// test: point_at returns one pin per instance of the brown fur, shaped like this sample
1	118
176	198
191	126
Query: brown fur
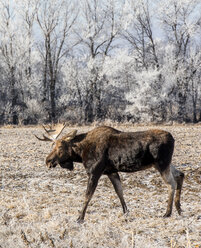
105	150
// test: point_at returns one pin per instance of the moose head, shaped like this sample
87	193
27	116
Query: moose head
62	152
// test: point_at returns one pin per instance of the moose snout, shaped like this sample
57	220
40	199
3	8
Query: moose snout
51	163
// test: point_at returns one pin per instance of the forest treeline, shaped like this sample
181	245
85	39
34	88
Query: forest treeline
95	60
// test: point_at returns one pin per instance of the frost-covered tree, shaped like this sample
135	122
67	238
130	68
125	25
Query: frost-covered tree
14	58
93	60
169	57
27	10
56	20
99	27
180	24
139	32
145	93
18	60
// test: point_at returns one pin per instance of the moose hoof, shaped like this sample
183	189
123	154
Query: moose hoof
80	220
179	211
166	215
126	213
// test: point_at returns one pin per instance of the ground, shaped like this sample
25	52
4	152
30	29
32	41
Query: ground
39	207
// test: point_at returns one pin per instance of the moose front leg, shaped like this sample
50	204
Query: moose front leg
91	186
115	179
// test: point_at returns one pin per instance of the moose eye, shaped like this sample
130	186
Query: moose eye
60	152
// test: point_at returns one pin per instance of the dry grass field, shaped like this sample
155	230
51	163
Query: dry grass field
39	207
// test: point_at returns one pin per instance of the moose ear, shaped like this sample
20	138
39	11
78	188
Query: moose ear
70	136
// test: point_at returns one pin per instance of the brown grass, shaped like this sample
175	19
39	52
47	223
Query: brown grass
39	207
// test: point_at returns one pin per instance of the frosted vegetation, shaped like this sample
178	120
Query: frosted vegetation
39	207
92	60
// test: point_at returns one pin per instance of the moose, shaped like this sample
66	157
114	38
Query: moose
105	150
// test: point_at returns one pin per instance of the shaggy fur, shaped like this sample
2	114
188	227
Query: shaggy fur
105	150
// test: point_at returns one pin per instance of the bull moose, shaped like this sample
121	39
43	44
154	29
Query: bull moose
105	150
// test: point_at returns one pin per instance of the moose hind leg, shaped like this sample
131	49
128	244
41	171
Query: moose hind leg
170	180
179	178
115	179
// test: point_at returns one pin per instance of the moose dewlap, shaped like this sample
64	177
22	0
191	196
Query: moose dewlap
105	150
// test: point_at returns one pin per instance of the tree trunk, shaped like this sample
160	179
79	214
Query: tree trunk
181	114
88	108
200	117
52	100
14	116
194	100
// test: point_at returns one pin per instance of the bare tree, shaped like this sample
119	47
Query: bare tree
27	10
193	77
9	56
139	34
180	24
99	29
56	20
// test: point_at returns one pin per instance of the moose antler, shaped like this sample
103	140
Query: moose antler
70	136
53	133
